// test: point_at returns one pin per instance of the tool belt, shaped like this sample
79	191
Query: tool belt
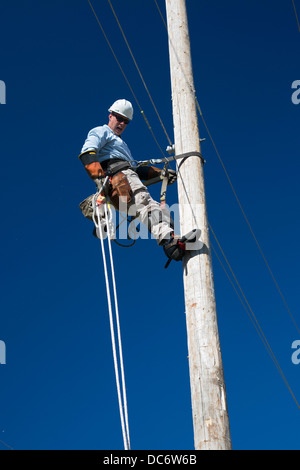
113	166
119	189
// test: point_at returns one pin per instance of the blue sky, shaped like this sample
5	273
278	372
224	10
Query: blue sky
57	387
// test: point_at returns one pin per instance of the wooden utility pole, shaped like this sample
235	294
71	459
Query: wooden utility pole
209	404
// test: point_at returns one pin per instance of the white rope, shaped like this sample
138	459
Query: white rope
122	399
107	219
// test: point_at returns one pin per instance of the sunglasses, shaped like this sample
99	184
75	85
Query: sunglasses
121	118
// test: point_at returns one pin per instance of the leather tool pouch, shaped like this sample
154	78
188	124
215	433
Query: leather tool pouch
86	207
120	190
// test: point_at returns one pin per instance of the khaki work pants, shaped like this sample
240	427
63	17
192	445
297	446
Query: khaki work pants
148	211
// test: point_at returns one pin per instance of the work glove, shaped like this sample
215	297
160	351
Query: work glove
91	164
172	176
94	170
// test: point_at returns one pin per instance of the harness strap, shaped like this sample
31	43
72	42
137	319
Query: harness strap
114	167
163	191
170	159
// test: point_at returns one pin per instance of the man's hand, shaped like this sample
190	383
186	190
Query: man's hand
90	161
94	170
154	172
172	176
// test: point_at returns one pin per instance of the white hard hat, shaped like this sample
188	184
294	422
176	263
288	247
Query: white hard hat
122	107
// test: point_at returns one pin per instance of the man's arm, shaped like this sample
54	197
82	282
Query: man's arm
91	164
95	140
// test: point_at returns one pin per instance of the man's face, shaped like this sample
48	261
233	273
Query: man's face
117	123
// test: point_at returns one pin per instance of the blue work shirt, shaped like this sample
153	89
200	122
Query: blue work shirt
107	144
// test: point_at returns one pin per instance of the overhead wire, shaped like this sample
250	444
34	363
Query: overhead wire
7	445
139	71
297	19
246	305
252	316
209	134
236	196
247	220
125	77
248	308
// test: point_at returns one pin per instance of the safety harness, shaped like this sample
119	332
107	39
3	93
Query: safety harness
111	169
164	174
113	166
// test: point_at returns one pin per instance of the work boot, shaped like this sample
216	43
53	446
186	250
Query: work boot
175	248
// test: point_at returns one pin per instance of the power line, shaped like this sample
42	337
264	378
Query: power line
235	194
296	15
124	75
252	317
247	221
138	69
4	443
246	305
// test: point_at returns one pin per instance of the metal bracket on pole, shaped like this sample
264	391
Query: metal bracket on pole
170	149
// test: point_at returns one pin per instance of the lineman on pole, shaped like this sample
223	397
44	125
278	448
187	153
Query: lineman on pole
105	153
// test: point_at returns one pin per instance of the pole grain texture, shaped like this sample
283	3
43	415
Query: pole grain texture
208	393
